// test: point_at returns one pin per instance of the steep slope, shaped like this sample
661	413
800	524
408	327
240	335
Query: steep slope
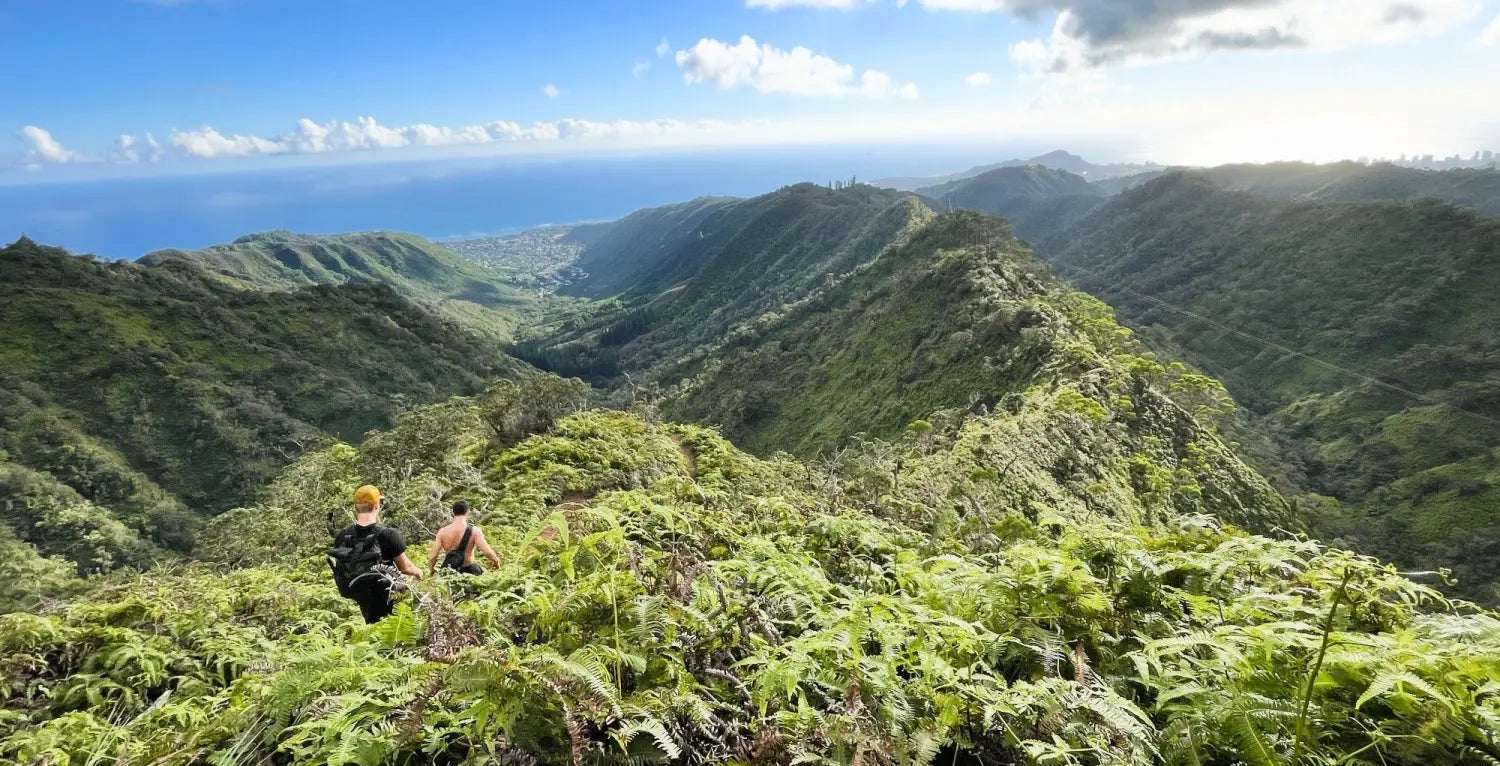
707	267
666	598
958	317
1037	201
1304	307
619	256
415	268
130	394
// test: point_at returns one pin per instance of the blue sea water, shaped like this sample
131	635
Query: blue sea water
450	198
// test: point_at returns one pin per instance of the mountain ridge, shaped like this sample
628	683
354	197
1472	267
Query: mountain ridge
137	399
1395	291
416	268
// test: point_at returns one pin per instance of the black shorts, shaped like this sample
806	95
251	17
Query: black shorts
471	568
374	599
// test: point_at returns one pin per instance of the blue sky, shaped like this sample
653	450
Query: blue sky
112	87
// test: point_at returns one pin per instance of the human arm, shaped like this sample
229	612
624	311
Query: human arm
432	555
394	544
403	563
484	547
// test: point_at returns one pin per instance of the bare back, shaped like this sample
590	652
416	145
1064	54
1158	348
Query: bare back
452	534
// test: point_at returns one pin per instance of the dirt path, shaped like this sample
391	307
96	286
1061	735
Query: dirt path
687	454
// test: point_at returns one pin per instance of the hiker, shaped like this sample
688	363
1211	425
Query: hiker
361	550
460	539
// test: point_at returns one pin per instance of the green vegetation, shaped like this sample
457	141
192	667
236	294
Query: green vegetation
1037	201
694	604
1013	535
685	276
1341	182
1345	295
961	317
475	295
135	399
1354	182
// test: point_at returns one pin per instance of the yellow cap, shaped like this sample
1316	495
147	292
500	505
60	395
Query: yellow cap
366	495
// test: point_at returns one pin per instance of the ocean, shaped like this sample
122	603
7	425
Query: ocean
440	199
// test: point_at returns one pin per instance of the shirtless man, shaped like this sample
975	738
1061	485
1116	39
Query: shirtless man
459	539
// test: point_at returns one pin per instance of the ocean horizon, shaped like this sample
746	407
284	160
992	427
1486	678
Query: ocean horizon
443	200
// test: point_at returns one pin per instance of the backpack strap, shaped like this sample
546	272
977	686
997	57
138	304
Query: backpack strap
463	545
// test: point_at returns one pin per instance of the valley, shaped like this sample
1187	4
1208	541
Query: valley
830	472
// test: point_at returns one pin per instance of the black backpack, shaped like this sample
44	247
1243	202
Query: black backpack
455	557
353	557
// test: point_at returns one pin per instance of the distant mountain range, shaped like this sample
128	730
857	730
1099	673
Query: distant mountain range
986	522
462	289
1379	269
796	320
1055	160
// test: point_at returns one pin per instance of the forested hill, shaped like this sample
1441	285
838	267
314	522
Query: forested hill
686	276
1356	182
961	317
1037	201
1402	292
412	266
666	598
135	398
643	249
1054	160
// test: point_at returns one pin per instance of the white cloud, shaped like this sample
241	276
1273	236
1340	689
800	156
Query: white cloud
768	69
776	5
366	134
1491	33
663	48
46	148
1098	33
978	79
550	91
125	150
640	67
978	6
207	142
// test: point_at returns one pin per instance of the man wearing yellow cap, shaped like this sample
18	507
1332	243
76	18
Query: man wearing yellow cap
362	550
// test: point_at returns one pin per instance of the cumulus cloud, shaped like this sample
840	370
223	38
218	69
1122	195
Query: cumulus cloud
366	134
663	48
550	91
978	79
640	67
125	150
768	69
46	148
1097	33
776	5
1491	33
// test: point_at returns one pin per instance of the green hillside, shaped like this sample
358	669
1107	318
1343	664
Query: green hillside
1037	201
1355	182
644	249
134	399
1342	295
961	317
469	292
666	598
1341	182
1055	160
696	271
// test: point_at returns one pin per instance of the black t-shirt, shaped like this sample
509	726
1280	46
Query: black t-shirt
391	544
